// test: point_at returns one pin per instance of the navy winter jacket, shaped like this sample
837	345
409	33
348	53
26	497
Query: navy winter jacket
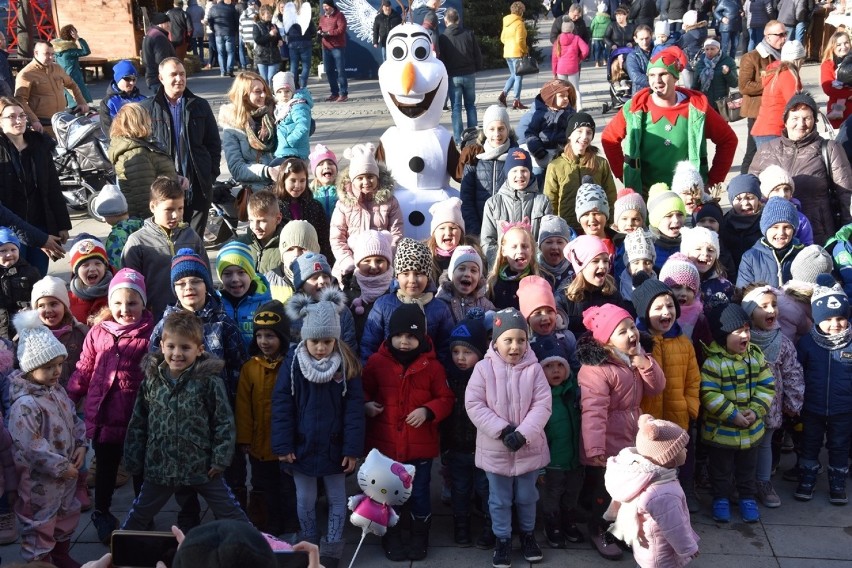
761	11
543	128
828	377
732	10
760	264
481	180
224	20
637	68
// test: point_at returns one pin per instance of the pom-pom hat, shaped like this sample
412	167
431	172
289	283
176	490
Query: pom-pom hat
691	238
601	321
548	350
672	59
187	263
553	226
629	200
678	270
508	319
591	196
660	441
321	153
320	321
725	319
773	176
661	202
686	178
37	345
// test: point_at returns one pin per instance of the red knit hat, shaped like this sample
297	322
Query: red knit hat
535	292
660	440
87	249
601	321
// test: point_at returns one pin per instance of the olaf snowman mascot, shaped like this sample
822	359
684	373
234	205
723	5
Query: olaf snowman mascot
417	150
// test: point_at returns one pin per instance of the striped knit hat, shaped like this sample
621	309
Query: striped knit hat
239	254
187	263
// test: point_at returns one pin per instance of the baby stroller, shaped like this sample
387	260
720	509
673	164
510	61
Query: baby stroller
619	90
80	156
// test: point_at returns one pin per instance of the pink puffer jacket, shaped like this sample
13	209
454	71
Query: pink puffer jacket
109	374
572	51
499	394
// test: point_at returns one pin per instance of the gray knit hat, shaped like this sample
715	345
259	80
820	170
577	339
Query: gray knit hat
591	196
321	321
109	202
508	319
36	344
811	261
553	226
306	266
298	233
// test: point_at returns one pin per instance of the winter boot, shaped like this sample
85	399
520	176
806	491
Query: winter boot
502	553
837	485
553	532
518	105
241	493
486	539
82	493
393	545
104	523
59	555
601	541
532	553
461	531
807	482
501	100
418	545
569	527
257	511
330	553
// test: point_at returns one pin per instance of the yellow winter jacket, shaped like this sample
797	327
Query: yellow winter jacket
513	36
679	401
254	406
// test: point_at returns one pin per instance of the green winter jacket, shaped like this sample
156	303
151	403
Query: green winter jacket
722	83
266	257
600	23
563	428
564	177
179	431
137	164
731	384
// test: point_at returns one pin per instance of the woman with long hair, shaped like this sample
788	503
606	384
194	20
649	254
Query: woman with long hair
248	131
514	39
839	107
68	56
780	82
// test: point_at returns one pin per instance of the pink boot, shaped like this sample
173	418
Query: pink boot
59	555
82	493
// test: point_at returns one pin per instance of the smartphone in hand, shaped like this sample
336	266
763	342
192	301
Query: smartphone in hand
142	549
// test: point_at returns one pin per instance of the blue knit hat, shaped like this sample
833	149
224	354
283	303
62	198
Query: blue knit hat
517	157
828	300
778	210
7	236
123	68
547	349
744	183
471	333
307	265
187	263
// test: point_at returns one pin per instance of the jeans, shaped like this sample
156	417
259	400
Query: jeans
730	43
306	495
420	502
599	50
513	79
463	89
836	430
761	140
225	49
268	71
560	491
300	55
196	46
797	32
755	36
244	60
335	67
503	492
214	54
384	53
465	478
729	464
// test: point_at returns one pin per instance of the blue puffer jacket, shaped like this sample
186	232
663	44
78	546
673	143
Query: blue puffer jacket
760	264
761	12
828	377
222	339
730	9
637	67
318	422
242	309
481	179
439	324
294	130
543	128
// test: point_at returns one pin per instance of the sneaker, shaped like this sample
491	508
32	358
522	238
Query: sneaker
342	98
532	553
572	533
554	535
749	511
8	528
502	557
104	523
767	495
721	510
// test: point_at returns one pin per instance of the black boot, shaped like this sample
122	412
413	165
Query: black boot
553	532
461	531
393	545
486	540
569	527
501	100
837	485
257	510
807	482
418	545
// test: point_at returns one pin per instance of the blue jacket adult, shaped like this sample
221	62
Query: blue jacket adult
439	324
242	309
320	423
760	12
692	41
828	377
224	20
543	128
760	264
481	179
732	10
113	100
637	68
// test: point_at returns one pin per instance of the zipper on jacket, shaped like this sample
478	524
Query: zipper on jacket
828	386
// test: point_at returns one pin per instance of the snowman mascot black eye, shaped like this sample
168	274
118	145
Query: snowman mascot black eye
417	150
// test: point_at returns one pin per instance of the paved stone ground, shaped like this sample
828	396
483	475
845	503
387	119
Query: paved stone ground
797	535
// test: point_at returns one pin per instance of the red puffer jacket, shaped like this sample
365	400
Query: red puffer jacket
109	374
400	391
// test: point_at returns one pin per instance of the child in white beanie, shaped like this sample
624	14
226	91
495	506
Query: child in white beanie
464	287
639	256
688	183
702	248
446	233
110	207
292	117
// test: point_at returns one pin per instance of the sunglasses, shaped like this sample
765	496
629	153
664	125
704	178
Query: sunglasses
129	79
778	35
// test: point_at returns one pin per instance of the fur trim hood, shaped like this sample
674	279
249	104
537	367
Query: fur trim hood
383	195
60	45
592	352
204	367
298	302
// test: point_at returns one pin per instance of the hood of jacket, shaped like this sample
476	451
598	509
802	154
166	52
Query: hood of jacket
20	386
383	195
60	45
629	473
121	144
112	90
304	95
592	352
526	194
205	366
508	19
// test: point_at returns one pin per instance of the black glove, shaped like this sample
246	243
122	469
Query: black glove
540	154
506	431
514	441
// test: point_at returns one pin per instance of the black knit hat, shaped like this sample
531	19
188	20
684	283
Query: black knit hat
577	120
647	291
271	316
725	319
709	209
470	333
801	99
222	544
408	318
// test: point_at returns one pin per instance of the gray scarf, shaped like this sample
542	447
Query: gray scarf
766	50
318	371
768	341
832	342
489	152
709	70
93	292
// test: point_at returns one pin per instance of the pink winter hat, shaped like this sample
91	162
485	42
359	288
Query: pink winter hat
320	153
535	292
582	250
601	321
679	271
660	440
130	279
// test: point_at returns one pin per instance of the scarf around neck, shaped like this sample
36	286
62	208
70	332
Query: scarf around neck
489	152
318	371
510	275
118	329
708	71
89	293
769	342
832	342
371	288
689	316
420	300
264	139
766	50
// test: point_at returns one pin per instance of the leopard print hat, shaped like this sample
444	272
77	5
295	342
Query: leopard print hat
412	255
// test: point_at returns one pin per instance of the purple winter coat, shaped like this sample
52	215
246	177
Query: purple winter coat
499	394
109	375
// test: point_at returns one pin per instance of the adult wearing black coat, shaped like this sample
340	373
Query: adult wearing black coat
199	133
643	12
386	19
155	48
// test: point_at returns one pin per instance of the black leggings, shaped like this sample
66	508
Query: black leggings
109	457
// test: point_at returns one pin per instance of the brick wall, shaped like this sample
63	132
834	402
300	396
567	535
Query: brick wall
107	25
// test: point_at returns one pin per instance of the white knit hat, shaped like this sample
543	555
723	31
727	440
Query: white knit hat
362	160
53	287
464	253
371	243
772	177
686	177
496	113
792	51
37	345
446	211
109	202
690	18
692	238
661	28
283	79
639	244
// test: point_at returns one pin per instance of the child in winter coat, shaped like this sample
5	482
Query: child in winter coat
518	200
108	376
593	285
297	202
642	482
710	217
465	288
516	259
775	181
295	239
615	374
569	50
794	301
365	201
598	27
737	387
825	357
760	303
592	210
8	474
688	183
701	247
666	215
372	277
682	278
324	170
629	214
264	234
243	290
538	307
412	264
508	400
553	236
110	207
182	433
770	258
446	233
292	117
50	445
17	278
740	227
563	476
468	342
481	165
90	279
272	501
318	398
656	313
543	129
406	397
639	256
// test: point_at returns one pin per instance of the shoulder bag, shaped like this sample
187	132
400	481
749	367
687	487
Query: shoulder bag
527	65
729	107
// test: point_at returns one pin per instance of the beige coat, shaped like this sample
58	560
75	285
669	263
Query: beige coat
41	90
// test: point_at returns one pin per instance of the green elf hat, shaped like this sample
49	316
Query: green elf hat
672	59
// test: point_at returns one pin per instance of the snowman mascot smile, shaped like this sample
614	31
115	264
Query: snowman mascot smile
419	152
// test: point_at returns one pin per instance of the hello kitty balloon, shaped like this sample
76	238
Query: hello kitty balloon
385	484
